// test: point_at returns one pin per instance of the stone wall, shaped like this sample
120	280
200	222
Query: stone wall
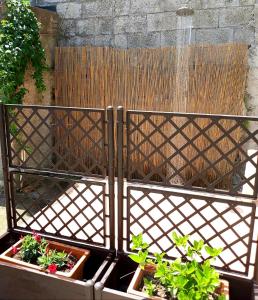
152	23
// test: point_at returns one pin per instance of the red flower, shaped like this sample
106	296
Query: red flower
52	268
37	237
14	250
70	266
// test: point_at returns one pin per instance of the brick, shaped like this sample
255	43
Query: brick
120	41
245	35
161	21
81	41
100	8
246	2
86	26
236	16
145	6
69	10
90	9
169	5
140	40
103	40
168	38
214	36
171	38
134	23
105	26
206	18
120	24
68	28
231	2
121	7
137	23
106	8
213	3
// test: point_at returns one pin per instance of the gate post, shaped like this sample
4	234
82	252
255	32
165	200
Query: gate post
4	157
120	174
111	173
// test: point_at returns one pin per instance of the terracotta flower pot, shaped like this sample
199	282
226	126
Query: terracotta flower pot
76	272
134	287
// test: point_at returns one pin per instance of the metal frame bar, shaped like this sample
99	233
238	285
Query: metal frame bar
111	174
107	128
68	133
120	174
57	182
134	148
195	201
5	163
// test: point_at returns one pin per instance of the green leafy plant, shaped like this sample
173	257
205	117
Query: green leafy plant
184	278
20	47
141	246
32	247
35	249
60	259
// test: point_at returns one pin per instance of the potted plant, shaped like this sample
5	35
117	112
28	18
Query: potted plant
37	253
187	278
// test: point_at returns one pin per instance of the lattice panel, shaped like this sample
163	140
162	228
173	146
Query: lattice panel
57	139
206	152
220	222
77	210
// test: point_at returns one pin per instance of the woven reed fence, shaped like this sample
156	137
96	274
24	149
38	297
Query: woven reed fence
203	78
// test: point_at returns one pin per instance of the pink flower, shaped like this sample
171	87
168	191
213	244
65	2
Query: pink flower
14	250
37	237
52	268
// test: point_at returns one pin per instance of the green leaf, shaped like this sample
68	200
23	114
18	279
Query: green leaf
213	252
159	257
150	287
138	242
135	258
222	297
180	241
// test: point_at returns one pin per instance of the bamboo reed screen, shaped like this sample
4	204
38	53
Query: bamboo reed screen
203	78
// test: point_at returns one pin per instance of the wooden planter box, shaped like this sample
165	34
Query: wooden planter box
138	277
20	282
75	273
115	283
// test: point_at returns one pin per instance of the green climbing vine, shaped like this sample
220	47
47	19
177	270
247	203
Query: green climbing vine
20	47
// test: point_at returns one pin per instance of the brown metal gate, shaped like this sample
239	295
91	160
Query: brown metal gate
187	191
62	159
56	161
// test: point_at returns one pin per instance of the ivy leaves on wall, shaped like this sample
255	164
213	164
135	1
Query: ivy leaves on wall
20	47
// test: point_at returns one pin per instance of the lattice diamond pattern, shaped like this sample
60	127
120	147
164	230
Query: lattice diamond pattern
194	151
219	222
58	139
65	208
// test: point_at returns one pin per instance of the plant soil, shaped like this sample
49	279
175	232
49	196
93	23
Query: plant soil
161	292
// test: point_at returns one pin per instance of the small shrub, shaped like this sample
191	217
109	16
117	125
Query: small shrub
184	278
32	247
60	259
